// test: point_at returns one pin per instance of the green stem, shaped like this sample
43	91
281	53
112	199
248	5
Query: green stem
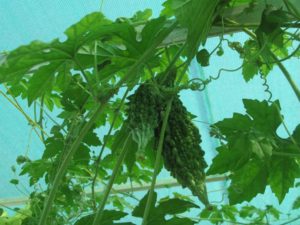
62	169
161	137
131	72
286	128
221	220
99	214
253	25
288	57
40	122
96	64
294	155
50	118
157	161
280	65
288	77
91	90
104	145
173	63
30	121
290	221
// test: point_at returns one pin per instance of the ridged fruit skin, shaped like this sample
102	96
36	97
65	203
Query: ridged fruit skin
142	107
182	153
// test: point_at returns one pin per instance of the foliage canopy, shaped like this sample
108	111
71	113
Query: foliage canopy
87	79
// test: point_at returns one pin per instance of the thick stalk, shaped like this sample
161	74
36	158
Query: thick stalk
293	155
61	171
40	122
99	214
157	161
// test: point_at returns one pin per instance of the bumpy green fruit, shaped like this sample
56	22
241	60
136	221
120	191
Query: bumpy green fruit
141	108
182	153
142	116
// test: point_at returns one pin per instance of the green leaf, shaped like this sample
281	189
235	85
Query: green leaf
174	206
206	213
238	123
140	208
248	211
74	96
266	117
180	221
228	160
42	81
63	78
54	145
242	2
90	27
261	147
14	181
216	217
296	204
36	170
22	159
21	60
250	69
13	168
149	32
247	182
272	19
118	143
250	53
296	134
91	139
229	212
283	171
249	138
82	155
109	216
142	15
273	211
167	10
197	16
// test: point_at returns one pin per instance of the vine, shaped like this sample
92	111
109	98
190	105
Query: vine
87	79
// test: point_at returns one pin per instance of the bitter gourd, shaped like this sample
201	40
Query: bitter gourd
181	153
142	116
